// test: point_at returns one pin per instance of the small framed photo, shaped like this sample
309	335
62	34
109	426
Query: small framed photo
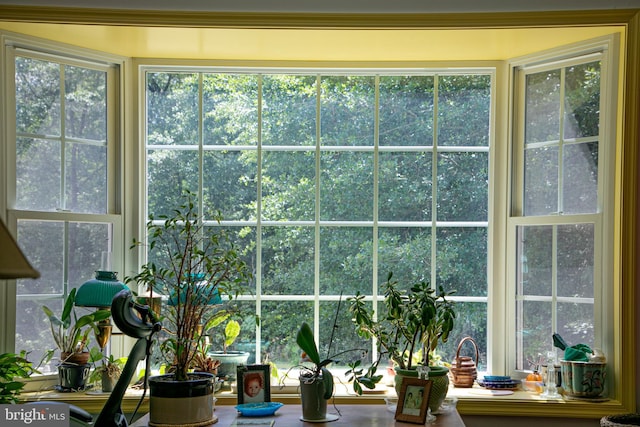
254	384
413	400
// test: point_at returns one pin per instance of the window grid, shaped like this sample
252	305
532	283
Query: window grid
318	224
556	219
68	223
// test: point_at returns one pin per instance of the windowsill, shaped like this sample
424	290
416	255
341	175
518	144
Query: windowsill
520	403
524	403
470	402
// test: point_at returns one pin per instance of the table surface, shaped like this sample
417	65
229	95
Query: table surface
350	416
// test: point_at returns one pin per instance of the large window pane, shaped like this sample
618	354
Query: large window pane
289	193
406	110
404	187
556	278
405	251
542	110
38	174
462	260
64	220
37	97
463	110
172	113
582	101
317	205
347	110
288	260
230	103
346	186
458	174
345	260
289	110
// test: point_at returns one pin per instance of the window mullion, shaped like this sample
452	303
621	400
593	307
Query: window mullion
561	145
376	174
316	270
258	278
434	187
63	141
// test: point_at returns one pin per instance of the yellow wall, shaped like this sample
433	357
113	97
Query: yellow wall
311	44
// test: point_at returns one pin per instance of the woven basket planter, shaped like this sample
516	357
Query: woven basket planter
623	420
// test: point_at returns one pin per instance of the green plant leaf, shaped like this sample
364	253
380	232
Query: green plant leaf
328	382
231	332
307	343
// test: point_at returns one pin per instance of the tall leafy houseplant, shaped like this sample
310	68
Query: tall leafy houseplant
409	325
408	328
200	272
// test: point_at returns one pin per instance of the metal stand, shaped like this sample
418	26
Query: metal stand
136	321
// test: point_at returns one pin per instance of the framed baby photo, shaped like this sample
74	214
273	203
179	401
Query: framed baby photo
413	400
254	384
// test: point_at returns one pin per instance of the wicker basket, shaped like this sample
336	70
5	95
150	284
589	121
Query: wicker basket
463	369
623	420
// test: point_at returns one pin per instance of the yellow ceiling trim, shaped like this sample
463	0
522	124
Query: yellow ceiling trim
311	44
208	19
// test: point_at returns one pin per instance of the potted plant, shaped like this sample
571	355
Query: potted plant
409	326
12	368
229	359
71	335
316	382
199	272
108	372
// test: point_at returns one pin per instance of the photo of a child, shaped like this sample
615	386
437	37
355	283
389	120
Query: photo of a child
253	387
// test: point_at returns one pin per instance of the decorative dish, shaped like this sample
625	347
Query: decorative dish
500	385
259	409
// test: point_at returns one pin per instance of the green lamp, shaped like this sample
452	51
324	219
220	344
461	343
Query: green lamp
99	292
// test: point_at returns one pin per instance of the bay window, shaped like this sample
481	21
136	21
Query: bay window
329	179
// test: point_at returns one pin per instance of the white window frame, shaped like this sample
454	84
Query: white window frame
458	68
12	46
605	49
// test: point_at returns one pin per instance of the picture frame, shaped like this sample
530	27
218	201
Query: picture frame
413	400
254	383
